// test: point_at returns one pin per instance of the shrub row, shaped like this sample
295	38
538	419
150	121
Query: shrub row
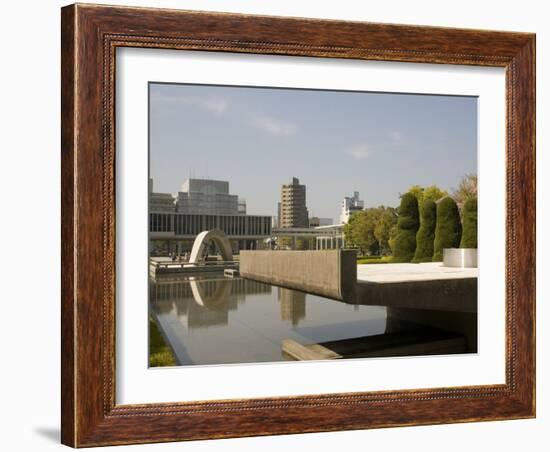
407	227
422	238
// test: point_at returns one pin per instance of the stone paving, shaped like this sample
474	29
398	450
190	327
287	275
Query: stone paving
393	273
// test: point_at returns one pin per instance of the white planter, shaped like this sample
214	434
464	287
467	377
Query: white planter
460	257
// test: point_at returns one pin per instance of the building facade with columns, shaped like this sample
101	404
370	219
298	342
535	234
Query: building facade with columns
201	205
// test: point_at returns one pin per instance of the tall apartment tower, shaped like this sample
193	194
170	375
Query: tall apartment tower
293	212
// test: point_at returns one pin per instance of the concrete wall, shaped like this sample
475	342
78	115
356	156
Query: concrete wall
458	295
330	273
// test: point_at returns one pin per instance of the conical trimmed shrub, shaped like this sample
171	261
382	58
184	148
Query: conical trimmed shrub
448	229
469	222
426	234
407	227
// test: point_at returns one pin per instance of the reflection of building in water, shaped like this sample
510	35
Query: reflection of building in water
203	302
292	304
202	317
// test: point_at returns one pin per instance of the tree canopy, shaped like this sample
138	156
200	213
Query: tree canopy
369	229
467	189
423	194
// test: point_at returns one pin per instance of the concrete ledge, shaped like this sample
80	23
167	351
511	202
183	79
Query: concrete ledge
330	273
442	295
428	285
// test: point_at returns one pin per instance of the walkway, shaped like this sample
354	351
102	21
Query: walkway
429	271
418	286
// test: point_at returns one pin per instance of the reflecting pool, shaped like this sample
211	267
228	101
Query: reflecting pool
215	319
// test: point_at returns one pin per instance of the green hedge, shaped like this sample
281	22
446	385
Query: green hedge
425	236
448	228
407	227
469	222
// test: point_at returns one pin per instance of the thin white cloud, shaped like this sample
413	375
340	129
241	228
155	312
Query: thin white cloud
216	105
396	137
359	151
273	126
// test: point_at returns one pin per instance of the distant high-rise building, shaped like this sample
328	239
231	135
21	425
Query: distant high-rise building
208	197
350	204
277	219
293	211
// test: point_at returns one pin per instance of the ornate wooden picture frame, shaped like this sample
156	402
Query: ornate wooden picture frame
90	37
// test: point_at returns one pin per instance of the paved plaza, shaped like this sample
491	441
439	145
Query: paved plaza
429	271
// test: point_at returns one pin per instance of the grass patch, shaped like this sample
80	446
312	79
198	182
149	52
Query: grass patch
160	353
374	260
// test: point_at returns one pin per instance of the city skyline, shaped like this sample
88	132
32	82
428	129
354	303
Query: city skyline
335	142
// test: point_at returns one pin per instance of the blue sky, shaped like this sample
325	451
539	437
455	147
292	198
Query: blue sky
335	142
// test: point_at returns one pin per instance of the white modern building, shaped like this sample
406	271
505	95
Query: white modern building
208	197
202	204
350	204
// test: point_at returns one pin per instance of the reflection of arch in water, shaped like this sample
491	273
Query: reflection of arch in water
203	240
218	300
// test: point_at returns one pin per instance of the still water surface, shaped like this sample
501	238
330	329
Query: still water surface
219	320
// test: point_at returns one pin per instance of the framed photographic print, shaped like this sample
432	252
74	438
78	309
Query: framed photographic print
281	225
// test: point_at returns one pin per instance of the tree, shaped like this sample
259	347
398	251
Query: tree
301	244
284	243
417	191
382	231
352	230
434	193
423	194
469	221
426	233
467	189
448	228
407	227
369	229
393	235
359	231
